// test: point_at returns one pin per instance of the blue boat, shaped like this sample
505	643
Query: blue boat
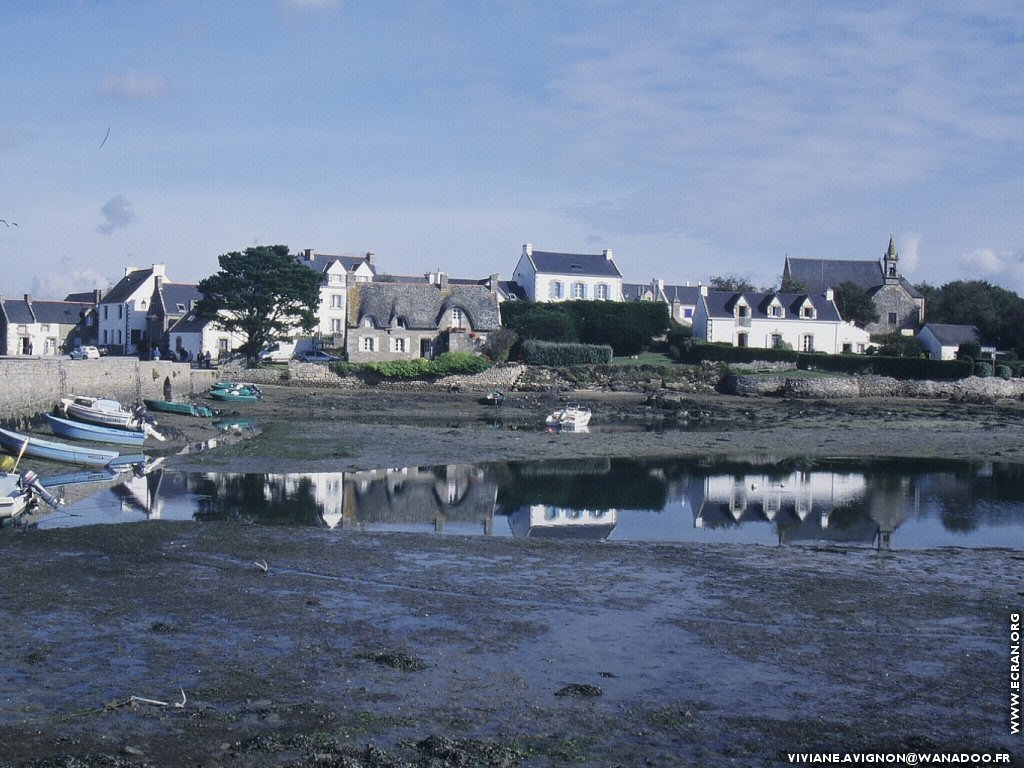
83	430
16	443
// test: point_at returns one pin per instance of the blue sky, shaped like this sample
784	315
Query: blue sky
693	139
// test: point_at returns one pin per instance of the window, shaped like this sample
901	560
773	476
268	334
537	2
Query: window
336	325
556	290
579	291
337	301
807	343
776	311
776	341
366	344
688	313
892	318
367	322
458	318
119	308
106	312
222	345
399	345
601	292
808	313
741	340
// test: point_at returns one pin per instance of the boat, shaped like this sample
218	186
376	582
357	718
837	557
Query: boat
233	385
495	398
240	394
187	409
17	444
20	492
83	430
573	416
107	413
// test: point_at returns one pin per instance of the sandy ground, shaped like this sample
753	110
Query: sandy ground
390	649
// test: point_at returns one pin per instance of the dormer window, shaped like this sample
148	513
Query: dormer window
808	312
776	310
575	268
458	318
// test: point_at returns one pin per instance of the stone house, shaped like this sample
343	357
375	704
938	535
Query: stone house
773	320
405	319
548	276
169	303
47	328
900	305
681	299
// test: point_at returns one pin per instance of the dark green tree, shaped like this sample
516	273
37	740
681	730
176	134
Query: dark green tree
262	293
731	283
854	304
791	285
996	312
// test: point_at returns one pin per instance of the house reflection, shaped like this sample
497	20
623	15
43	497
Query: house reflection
549	522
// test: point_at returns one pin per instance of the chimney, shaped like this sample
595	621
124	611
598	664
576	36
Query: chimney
160	270
309	254
828	294
492	282
28	298
607	253
703	290
370	256
442	279
527	249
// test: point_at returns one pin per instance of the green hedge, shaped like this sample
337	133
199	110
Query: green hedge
446	364
552	353
696	351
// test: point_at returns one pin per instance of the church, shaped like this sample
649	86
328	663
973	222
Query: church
900	305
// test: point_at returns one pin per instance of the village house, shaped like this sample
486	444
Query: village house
941	340
339	272
776	321
408	318
900	305
548	276
681	299
47	328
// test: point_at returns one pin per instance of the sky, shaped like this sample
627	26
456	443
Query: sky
693	139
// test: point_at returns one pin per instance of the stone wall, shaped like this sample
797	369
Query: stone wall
34	385
973	388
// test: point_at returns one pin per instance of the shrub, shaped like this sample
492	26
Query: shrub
498	345
551	353
983	369
453	363
1004	371
399	369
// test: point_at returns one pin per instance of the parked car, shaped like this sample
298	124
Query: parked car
316	356
84	353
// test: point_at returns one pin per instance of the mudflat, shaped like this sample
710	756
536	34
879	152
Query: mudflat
171	644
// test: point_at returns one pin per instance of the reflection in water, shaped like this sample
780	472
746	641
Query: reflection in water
882	504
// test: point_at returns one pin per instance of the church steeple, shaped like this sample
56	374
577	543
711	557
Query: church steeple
890	263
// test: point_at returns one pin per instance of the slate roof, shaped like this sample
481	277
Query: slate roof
589	264
722	303
684	294
126	286
190	322
819	274
17	311
59	312
953	335
423	305
322	261
174	294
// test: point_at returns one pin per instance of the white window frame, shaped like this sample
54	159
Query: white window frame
458	318
556	290
807	342
579	290
367	344
602	292
399	344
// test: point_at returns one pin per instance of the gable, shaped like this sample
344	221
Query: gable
574	264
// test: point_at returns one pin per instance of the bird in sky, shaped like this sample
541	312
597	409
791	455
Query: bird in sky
8	224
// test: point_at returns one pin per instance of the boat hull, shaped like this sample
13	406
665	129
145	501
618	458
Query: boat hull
14	442
186	409
235	396
106	413
81	430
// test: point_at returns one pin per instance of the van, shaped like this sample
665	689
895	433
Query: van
278	352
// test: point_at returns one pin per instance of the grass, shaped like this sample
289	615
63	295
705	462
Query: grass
645	358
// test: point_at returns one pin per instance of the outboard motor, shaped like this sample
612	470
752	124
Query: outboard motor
30	480
141	415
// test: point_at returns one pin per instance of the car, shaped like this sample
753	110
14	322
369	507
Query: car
84	353
316	356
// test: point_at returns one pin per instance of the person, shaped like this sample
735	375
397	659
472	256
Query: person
156	353
209	359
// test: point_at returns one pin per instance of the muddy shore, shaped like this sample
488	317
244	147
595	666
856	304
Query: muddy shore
360	649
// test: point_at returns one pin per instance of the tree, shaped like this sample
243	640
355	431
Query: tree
792	285
996	312
731	283
854	304
263	293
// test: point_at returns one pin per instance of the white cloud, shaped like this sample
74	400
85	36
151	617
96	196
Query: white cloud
908	245
135	86
118	213
57	285
1005	268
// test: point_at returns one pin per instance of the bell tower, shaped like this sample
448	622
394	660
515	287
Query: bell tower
891	264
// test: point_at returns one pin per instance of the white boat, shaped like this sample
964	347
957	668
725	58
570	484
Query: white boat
20	492
106	413
572	417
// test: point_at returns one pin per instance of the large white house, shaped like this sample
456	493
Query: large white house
338	273
547	276
776	320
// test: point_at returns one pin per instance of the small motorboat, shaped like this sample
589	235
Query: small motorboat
83	430
106	413
186	409
18	444
239	393
21	492
494	398
572	417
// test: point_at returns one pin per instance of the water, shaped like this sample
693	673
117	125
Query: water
886	504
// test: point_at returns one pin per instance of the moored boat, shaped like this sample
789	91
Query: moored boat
83	430
241	393
495	397
21	492
186	409
106	413
17	443
573	416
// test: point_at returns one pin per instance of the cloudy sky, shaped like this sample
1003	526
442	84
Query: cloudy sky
693	139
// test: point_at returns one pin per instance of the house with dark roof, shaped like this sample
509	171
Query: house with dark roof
31	327
191	335
941	340
900	305
681	299
549	276
408	319
129	324
776	320
338	273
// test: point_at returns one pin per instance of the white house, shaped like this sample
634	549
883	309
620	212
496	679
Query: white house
47	328
941	341
192	335
338	272
681	299
774	320
547	276
124	309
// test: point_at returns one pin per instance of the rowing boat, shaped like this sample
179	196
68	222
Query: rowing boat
16	443
83	430
186	409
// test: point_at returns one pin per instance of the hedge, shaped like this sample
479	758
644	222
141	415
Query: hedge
552	353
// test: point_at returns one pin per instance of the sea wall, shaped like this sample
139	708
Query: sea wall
825	387
30	386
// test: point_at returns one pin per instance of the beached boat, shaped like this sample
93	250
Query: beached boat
233	385
495	398
572	417
17	443
83	430
243	393
186	409
21	492
106	413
